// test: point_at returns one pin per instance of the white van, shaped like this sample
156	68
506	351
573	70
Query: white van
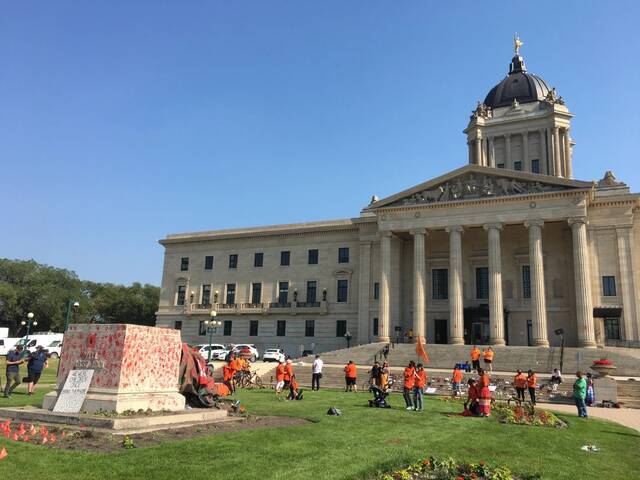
7	344
39	339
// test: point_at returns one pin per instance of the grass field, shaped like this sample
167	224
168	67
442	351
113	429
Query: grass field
48	374
356	445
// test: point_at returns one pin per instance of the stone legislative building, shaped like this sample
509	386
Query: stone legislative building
505	250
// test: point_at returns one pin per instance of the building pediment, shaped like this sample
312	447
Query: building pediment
474	182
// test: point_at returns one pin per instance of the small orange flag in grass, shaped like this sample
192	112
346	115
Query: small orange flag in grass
420	351
3	453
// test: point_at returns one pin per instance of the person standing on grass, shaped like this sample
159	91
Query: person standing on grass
37	362
316	373
532	384
374	375
409	383
288	373
488	359
418	388
475	358
14	360
350	376
484	396
384	375
579	394
279	377
520	382
456	381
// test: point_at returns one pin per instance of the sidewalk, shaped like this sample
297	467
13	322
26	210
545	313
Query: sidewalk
628	417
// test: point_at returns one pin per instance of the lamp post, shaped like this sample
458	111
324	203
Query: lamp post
70	305
348	337
212	327
560	333
30	321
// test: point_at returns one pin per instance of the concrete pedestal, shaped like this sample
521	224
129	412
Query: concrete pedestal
605	389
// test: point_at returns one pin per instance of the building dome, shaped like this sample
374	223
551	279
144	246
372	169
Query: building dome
520	85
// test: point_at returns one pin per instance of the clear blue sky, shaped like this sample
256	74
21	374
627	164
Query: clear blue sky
121	122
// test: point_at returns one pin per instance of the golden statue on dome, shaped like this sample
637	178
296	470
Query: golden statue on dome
517	43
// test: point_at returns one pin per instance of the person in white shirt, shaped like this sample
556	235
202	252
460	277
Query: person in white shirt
316	373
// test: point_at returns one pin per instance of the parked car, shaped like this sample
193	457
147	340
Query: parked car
247	350
7	344
54	349
216	348
274	355
39	339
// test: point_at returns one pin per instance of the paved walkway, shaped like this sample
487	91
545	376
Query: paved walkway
629	417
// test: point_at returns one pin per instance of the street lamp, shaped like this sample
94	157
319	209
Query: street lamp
70	305
30	321
348	337
212	327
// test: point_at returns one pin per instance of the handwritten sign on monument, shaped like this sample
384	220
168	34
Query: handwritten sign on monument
74	391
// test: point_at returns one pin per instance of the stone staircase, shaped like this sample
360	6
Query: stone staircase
628	393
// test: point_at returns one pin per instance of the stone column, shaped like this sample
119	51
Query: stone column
556	152
567	154
456	308
478	150
584	310
419	283
496	314
384	317
507	151
536	270
492	153
364	296
626	281
525	152
548	150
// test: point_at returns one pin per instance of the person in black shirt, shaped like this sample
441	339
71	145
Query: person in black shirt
374	375
37	362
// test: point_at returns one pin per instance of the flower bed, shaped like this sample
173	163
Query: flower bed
449	469
526	415
604	362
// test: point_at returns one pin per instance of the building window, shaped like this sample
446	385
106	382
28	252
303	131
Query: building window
231	293
343	255
258	259
206	294
285	258
313	256
440	282
376	290
482	283
184	264
500	165
526	281
227	328
310	328
253	328
517	165
535	166
182	294
375	327
612	328
178	325
283	292
312	287
208	262
202	329
281	328
341	328
609	286
343	290
256	293
233	260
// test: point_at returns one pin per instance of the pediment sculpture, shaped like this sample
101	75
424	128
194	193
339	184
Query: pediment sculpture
482	111
473	186
553	98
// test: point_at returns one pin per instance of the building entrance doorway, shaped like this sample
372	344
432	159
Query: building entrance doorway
441	331
476	325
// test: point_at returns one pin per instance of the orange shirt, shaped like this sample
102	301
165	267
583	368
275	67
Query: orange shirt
473	393
280	372
227	372
350	370
520	381
236	364
288	372
457	375
421	381
409	377
483	381
488	354
294	384
475	354
532	381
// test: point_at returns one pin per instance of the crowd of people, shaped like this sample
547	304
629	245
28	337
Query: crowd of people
36	361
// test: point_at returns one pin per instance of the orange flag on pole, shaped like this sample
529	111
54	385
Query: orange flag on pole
420	351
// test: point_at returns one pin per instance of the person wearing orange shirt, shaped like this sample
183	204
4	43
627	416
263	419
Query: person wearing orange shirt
475	358
350	376
409	383
228	371
488	358
279	377
456	381
294	389
484	396
288	373
532	383
520	382
418	388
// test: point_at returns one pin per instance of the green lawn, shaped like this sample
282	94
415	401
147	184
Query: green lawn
355	445
48	374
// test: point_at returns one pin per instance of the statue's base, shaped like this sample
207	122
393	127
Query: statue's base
110	401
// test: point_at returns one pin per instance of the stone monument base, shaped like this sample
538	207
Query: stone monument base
605	389
110	401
